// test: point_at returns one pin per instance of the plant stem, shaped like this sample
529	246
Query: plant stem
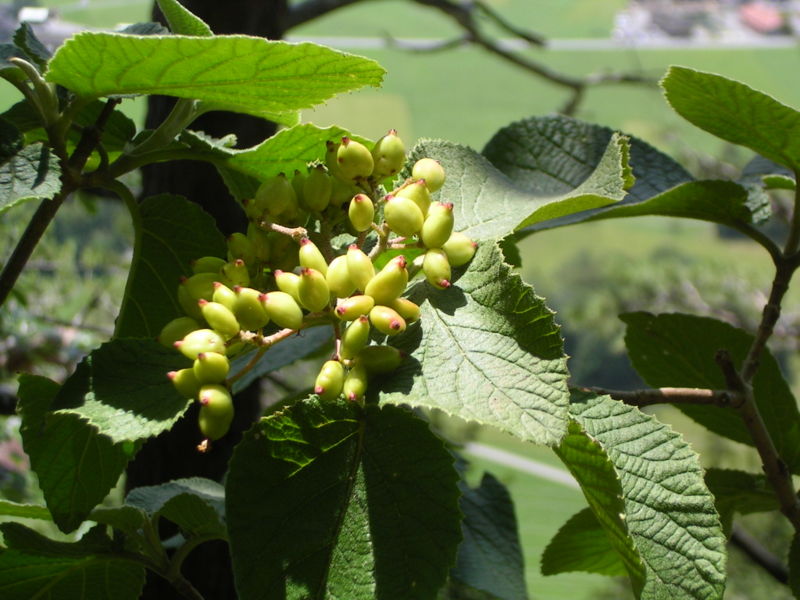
672	395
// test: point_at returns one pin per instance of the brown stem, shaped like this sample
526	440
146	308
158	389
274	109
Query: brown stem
759	554
672	395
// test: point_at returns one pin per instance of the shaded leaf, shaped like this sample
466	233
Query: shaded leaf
679	350
794	566
347	503
486	350
11	140
581	545
26	39
24	511
738	491
31	174
148	28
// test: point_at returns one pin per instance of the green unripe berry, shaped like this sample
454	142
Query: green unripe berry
331	162
431	171
311	257
200	340
355	383
207	264
312	290
283	252
380	359
418	192
389	156
176	330
389	282
223	295
220	318
200	285
354	338
216	411
354	160
283	309
185	382
248	309
235	273
459	249
261	242
189	304
359	266
287	282
342	192
330	380
403	215
241	246
436	267
407	309
387	320
361	212
338	278
438	225
317	189
298	183
277	196
210	367
353	307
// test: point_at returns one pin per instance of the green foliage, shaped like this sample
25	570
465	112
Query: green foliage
30	174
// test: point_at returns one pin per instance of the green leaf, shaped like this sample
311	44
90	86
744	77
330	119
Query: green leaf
668	510
678	350
11	140
75	465
592	467
182	21
238	73
736	113
124	518
171	233
147	28
794	566
196	505
489	206
24	511
346	503
737	491
278	356
768	174
486	350
581	545
26	40
37	567
490	557
289	149
31	174
123	390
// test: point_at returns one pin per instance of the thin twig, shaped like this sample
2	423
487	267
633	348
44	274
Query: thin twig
309	10
759	554
671	395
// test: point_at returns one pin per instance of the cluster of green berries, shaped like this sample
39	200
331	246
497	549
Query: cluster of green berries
276	280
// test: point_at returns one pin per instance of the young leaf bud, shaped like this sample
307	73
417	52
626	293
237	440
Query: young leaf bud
438	225
380	359
312	290
354	338
361	212
216	411
241	246
431	171
248	309
402	215
185	382
283	309
220	318
310	256
406	309
200	340
390	282
207	264
354	160
459	249
389	156
330	380
210	367
317	189
176	330
387	320
353	307
437	268
360	267
418	192
355	383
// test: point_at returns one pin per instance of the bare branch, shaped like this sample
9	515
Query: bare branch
671	395
532	38
759	554
311	9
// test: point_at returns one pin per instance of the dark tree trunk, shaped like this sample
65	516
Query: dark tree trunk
173	455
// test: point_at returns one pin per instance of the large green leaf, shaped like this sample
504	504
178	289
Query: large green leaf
486	350
329	500
668	511
171	233
75	465
490	557
37	567
488	205
238	73
738	491
196	505
33	173
581	545
736	113
676	350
